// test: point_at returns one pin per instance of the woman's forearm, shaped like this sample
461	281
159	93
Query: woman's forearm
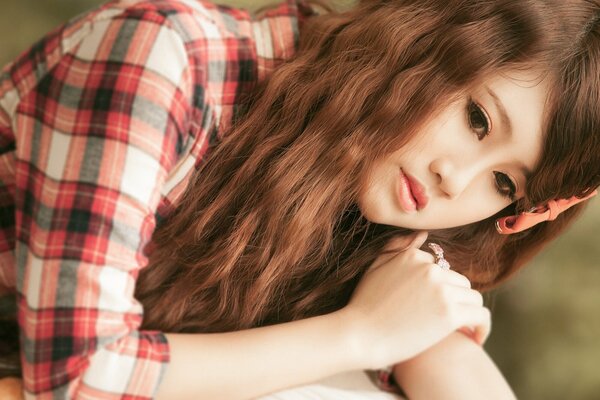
455	368
250	363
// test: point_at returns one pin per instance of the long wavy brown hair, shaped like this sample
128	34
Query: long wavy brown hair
268	229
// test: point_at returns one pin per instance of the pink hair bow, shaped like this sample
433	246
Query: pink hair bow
549	212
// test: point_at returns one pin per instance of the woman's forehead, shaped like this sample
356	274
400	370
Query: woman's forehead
519	100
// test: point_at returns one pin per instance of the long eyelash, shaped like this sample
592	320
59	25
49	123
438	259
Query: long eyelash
512	191
474	106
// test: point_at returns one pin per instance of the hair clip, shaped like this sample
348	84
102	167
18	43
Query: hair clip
548	212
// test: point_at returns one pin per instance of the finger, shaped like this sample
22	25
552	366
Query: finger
456	278
403	243
468	332
463	295
482	333
398	245
418	240
478	319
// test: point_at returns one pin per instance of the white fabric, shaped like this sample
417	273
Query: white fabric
354	385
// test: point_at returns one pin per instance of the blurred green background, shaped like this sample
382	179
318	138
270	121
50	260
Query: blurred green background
546	321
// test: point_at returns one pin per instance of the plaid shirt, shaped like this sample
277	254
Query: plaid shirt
102	122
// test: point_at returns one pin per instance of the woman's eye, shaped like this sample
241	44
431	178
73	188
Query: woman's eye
505	186
478	120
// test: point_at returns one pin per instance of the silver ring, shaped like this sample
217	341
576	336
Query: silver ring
438	253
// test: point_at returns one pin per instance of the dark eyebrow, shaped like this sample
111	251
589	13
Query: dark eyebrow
507	125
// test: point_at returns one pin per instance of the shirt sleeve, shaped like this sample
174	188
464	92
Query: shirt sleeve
7	188
384	379
97	138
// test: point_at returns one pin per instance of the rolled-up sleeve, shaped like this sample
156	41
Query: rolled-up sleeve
97	137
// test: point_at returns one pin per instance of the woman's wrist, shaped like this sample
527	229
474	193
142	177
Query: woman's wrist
355	337
361	341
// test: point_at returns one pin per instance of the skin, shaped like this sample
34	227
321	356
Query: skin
11	389
455	161
456	368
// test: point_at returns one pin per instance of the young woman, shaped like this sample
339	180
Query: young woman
197	203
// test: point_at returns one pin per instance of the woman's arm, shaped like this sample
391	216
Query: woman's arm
249	363
455	368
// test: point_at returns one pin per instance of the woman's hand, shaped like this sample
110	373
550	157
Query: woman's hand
406	303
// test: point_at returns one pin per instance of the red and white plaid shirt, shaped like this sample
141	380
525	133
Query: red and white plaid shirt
102	122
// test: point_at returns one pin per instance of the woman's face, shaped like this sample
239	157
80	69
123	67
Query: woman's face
467	163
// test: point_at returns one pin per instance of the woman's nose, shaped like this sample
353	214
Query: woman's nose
452	177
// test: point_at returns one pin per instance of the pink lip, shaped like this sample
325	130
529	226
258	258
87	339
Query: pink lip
412	194
418	191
